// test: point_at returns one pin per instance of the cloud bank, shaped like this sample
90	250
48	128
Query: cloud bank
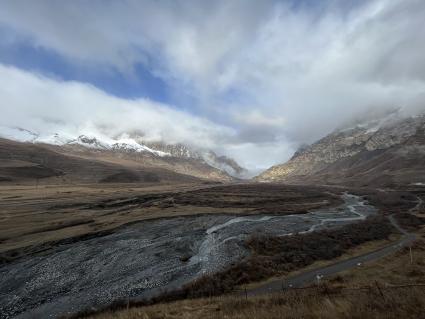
44	105
263	76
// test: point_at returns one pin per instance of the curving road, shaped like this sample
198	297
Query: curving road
311	276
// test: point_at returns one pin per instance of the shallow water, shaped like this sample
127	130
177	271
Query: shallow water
146	258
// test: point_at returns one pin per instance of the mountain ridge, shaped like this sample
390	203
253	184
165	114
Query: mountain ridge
175	157
386	152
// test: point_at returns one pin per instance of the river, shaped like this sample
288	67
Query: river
147	258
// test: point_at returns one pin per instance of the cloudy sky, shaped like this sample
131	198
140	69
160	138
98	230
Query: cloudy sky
249	79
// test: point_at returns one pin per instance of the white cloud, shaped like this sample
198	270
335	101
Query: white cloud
256	117
44	105
276	75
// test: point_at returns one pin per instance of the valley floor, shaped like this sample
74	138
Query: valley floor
36	218
60	243
392	287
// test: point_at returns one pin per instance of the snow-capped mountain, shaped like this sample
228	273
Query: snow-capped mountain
125	144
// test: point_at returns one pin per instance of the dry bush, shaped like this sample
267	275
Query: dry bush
391	202
409	221
278	255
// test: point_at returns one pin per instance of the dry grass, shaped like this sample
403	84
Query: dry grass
395	303
33	219
394	269
32	216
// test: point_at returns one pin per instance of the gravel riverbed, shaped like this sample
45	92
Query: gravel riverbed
144	259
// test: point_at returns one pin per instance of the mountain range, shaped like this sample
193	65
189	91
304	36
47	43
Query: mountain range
383	152
386	152
127	158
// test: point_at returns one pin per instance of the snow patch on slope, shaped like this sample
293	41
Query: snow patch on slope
123	143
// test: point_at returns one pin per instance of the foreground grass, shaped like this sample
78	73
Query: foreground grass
397	303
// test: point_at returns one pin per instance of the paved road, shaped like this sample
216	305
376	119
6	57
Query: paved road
323	272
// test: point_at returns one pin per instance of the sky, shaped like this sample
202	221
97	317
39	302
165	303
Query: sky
253	80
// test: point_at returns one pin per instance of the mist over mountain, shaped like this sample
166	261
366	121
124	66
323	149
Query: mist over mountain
384	152
250	82
198	162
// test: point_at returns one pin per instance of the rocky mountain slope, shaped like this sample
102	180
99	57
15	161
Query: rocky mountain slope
385	152
27	163
223	163
132	151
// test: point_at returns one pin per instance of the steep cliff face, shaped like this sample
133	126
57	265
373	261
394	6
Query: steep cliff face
382	152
